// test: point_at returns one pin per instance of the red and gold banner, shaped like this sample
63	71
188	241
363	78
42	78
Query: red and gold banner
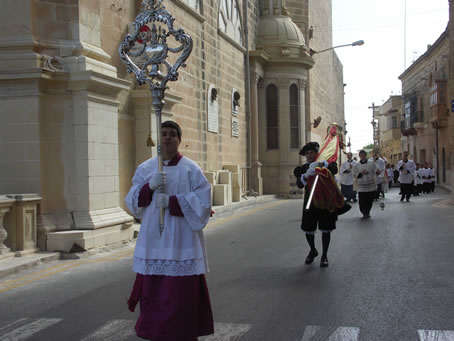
333	141
327	195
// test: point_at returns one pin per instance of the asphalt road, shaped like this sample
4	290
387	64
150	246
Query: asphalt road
390	278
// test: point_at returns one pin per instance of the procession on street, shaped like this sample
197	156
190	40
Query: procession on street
182	170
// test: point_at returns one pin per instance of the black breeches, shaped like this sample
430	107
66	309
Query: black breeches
365	201
406	189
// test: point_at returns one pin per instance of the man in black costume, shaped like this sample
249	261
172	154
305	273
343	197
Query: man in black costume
324	219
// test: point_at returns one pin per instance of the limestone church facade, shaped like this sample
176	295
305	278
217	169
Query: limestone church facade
74	126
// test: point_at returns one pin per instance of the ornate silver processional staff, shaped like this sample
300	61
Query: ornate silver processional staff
146	54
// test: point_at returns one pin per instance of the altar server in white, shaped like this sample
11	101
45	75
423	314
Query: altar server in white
346	179
170	283
406	169
364	173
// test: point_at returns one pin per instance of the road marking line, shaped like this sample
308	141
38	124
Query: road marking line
443	204
436	335
325	333
220	221
33	274
115	330
5	286
39	277
227	332
23	329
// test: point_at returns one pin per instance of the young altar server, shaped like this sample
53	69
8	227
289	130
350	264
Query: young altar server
407	169
346	179
365	174
390	174
170	282
418	181
381	165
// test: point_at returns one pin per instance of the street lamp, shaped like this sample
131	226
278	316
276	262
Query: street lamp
355	43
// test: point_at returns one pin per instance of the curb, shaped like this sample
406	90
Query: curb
221	211
16	264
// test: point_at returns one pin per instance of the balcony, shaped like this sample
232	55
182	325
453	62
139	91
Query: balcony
438	110
439	116
407	131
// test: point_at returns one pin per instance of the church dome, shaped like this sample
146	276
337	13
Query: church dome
281	38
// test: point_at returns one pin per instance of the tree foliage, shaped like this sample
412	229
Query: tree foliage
369	146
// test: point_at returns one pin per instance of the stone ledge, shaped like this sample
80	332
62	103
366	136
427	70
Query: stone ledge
101	218
82	240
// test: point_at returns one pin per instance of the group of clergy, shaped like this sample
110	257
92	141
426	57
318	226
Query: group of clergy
371	177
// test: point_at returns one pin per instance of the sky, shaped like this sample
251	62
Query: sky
371	71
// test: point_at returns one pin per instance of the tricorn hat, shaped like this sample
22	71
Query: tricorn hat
310	146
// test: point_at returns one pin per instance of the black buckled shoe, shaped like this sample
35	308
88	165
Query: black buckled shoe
324	262
310	257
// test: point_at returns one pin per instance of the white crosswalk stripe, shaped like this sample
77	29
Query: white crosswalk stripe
116	330
24	328
120	330
325	333
436	335
227	332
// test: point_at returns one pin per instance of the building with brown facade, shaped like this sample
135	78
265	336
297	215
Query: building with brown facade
389	116
74	126
426	132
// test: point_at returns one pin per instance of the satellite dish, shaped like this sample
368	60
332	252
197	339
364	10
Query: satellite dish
317	121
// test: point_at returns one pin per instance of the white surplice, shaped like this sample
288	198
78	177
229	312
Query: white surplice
180	251
346	176
407	171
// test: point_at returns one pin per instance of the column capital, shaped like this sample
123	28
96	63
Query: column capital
302	83
261	83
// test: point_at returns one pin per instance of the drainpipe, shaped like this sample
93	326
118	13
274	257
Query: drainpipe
247	92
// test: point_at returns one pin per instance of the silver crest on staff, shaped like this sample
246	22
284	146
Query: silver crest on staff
145	53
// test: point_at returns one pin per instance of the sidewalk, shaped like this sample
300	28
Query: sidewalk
10	265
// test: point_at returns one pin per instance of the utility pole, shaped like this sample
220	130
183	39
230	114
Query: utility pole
375	126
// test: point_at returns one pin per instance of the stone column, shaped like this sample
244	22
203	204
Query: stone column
284	137
23	217
256	166
303	132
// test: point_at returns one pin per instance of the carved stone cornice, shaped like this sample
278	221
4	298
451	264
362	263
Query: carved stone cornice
101	88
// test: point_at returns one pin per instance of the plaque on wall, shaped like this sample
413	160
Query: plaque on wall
213	111
235	127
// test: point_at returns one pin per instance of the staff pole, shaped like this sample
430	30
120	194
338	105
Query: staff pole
145	53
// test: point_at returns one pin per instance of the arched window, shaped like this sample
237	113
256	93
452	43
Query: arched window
230	21
294	117
272	117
